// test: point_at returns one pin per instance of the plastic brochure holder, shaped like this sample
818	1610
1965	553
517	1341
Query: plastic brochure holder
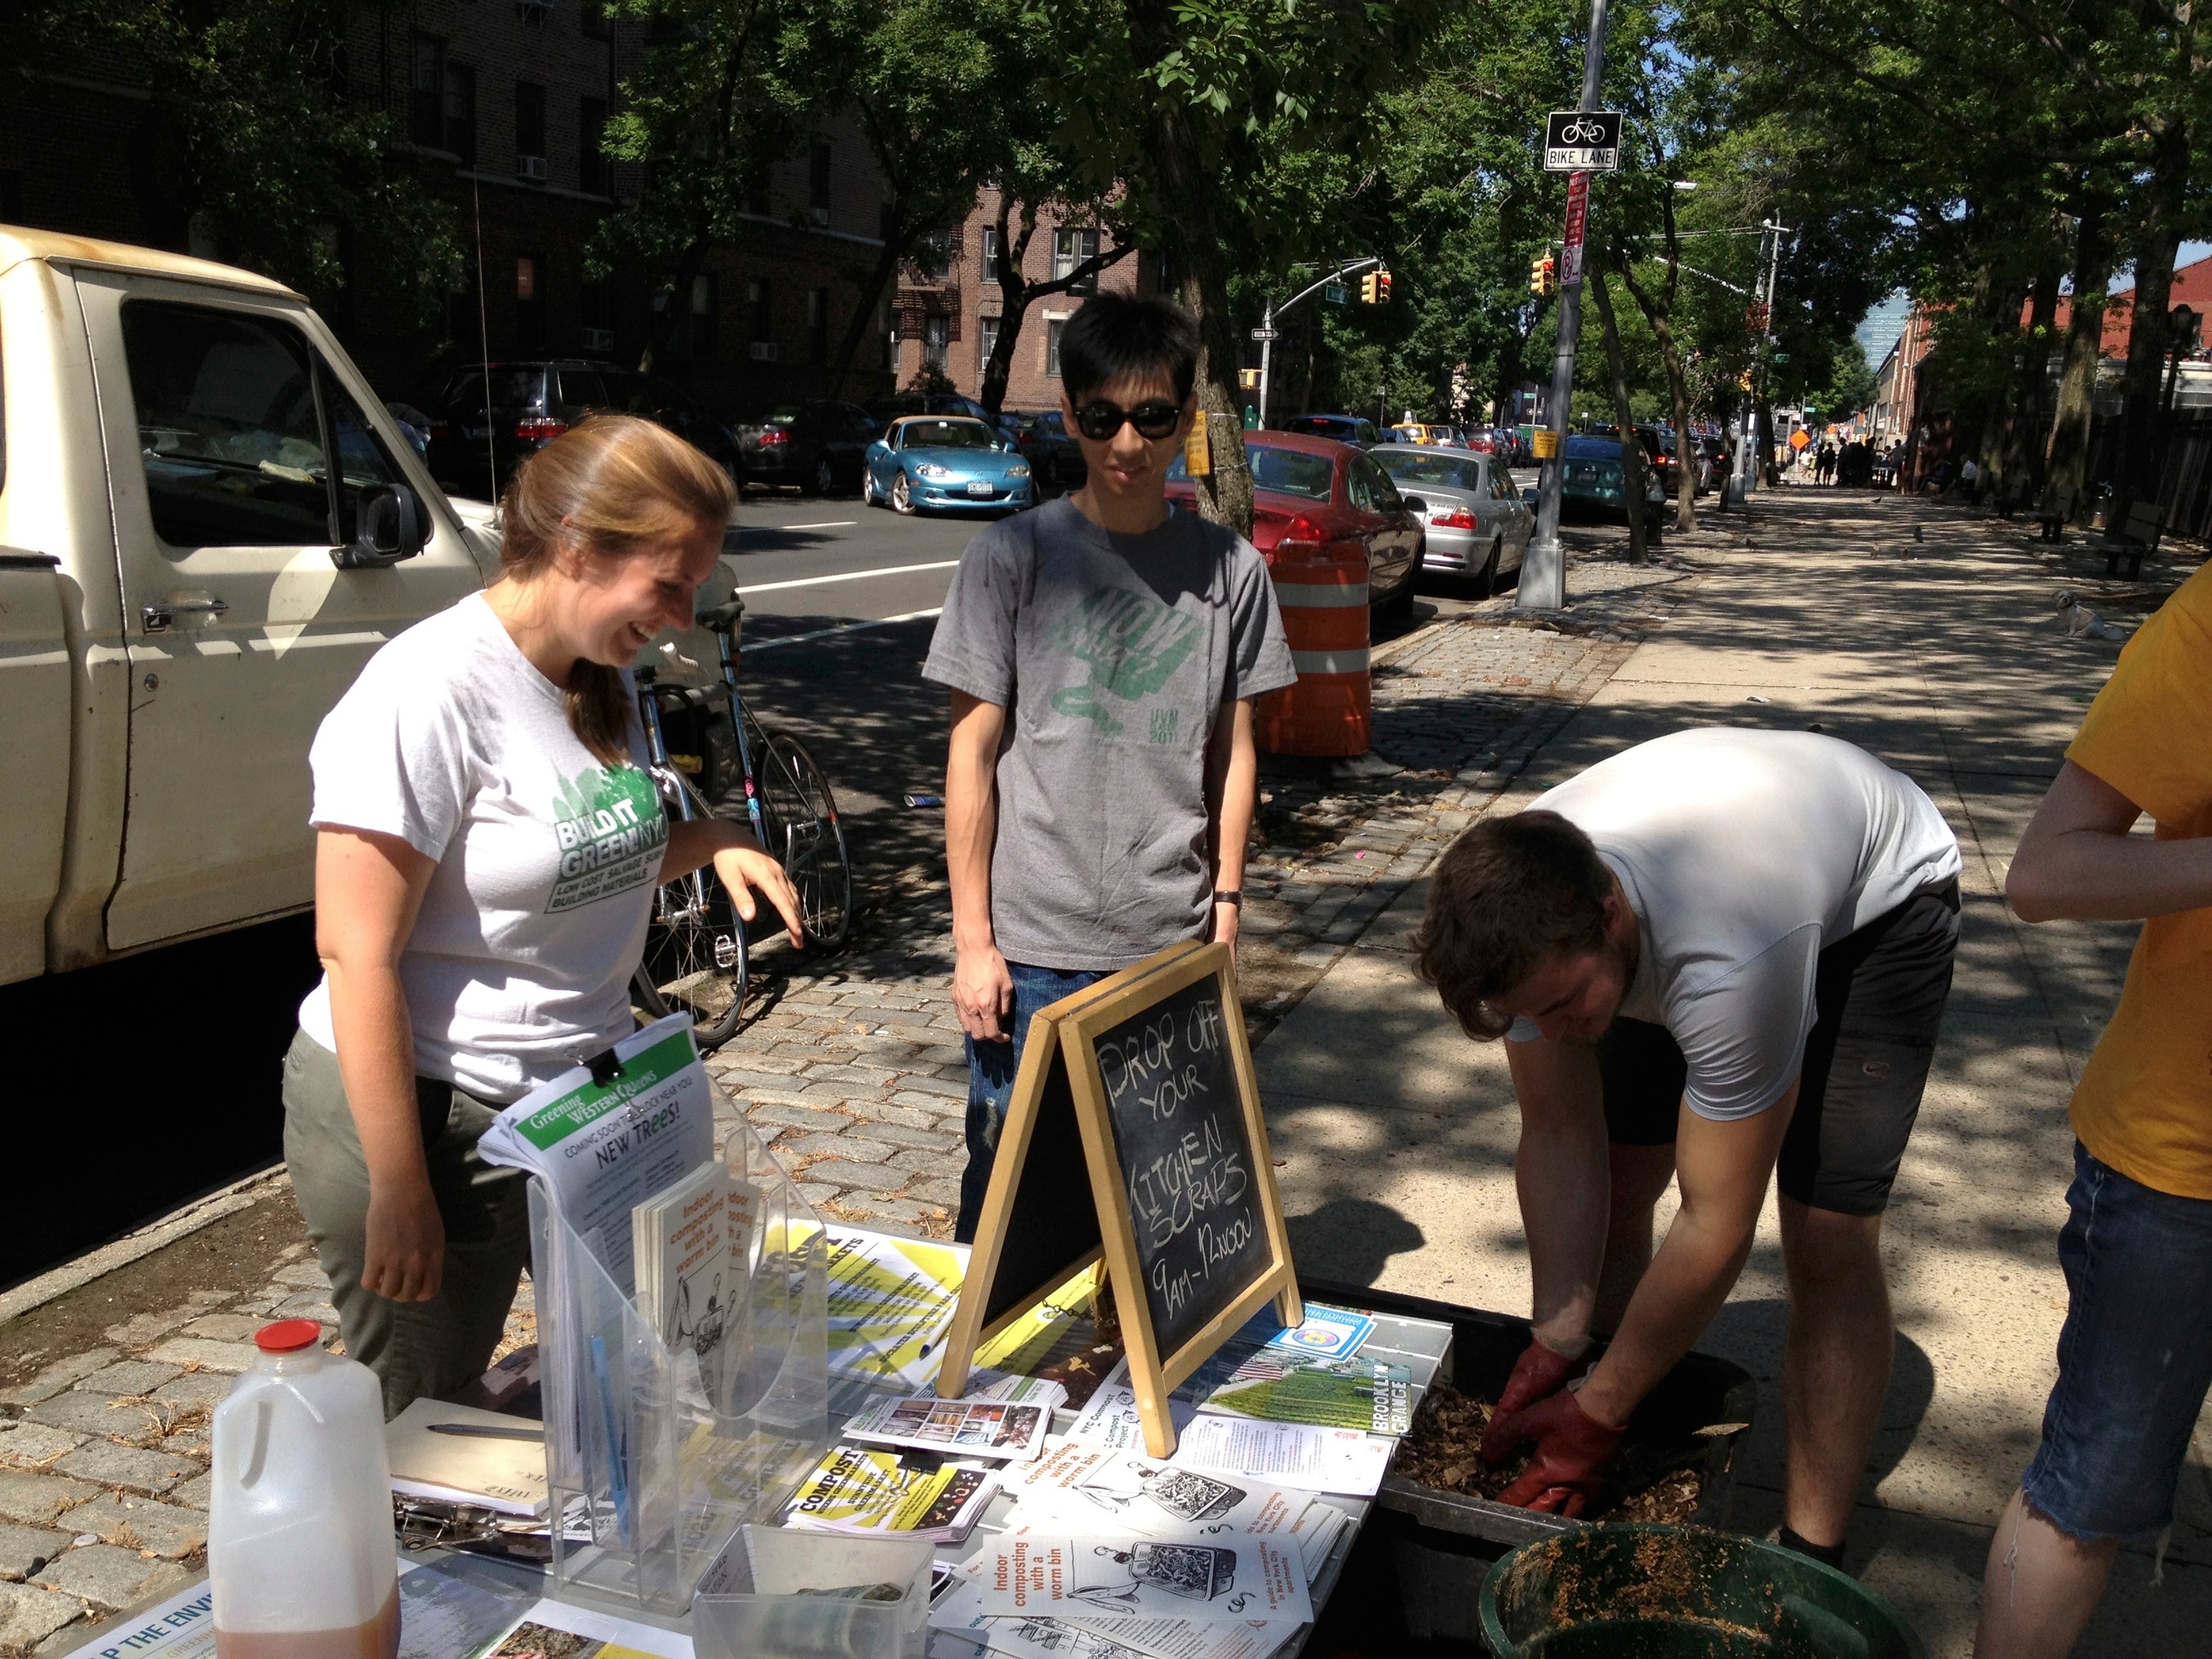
663	1473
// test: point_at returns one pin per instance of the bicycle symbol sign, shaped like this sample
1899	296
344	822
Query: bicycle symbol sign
1582	140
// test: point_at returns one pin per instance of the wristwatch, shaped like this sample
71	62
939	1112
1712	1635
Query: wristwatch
1235	898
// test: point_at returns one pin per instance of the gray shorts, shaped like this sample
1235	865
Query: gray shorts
1879	998
435	1348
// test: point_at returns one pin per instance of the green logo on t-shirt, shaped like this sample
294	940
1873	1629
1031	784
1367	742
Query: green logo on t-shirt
1132	643
610	831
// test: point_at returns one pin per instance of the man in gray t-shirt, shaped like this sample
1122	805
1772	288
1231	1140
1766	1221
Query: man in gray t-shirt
1104	652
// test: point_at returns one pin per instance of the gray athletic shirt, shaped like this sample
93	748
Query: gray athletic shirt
1744	853
1112	655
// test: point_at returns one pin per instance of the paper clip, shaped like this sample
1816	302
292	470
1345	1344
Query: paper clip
605	1067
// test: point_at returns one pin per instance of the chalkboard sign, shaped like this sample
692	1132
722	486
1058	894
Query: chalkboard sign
1140	1093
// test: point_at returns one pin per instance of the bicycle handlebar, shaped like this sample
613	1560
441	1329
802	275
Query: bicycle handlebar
723	618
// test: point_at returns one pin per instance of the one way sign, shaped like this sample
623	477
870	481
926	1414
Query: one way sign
1582	140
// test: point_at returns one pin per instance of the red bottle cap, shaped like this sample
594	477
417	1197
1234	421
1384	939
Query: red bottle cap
288	1336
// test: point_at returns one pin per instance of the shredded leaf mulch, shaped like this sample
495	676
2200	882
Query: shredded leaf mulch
1441	1451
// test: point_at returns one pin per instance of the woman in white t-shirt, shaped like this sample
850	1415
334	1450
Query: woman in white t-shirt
488	844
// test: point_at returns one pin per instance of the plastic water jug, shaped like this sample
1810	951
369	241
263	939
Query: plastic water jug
300	1546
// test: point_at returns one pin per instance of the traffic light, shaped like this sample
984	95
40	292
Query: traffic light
1543	276
1369	288
1382	287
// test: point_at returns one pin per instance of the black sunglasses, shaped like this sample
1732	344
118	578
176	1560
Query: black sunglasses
1100	419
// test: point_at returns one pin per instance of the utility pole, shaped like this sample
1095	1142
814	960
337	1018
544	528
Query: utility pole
1746	471
1543	585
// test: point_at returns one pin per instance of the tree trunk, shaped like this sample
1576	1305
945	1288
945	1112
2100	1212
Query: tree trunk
870	290
1658	311
2031	382
1632	446
2067	471
675	306
2143	452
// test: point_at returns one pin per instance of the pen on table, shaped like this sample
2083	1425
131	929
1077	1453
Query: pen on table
487	1431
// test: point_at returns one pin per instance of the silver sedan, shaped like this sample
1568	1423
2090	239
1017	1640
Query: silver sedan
1478	525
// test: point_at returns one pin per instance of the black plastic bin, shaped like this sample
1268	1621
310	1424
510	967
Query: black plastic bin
1441	1544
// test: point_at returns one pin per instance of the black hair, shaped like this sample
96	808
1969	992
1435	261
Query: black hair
1116	336
1507	895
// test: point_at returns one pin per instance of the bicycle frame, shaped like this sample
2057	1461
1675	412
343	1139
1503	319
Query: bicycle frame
676	791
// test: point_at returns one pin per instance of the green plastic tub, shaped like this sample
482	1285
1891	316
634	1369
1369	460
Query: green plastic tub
1637	1591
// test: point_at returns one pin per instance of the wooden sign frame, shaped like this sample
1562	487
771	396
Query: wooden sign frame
1068	1032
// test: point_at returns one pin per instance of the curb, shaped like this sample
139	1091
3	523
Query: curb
131	1247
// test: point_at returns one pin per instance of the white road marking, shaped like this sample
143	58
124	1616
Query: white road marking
847	576
827	524
848	628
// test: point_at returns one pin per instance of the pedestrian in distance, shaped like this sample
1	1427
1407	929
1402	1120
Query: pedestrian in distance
1718	957
488	840
1103	652
2135	1354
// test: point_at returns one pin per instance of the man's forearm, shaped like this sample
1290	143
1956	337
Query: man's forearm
1683	1289
971	822
1238	798
1563	1181
2092	875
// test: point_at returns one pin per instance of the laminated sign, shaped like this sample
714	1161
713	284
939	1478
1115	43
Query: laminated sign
1134	1136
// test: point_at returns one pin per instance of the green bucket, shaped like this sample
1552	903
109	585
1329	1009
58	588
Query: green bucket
1647	1591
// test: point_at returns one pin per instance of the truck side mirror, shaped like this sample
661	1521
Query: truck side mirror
391	525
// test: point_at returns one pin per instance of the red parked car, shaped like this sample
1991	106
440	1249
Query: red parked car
1315	491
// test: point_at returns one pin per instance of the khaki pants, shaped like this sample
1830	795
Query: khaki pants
436	1347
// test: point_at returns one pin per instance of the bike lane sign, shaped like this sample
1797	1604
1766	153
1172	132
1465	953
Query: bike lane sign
1582	140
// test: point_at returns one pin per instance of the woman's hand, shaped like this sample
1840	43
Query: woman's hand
746	871
405	1259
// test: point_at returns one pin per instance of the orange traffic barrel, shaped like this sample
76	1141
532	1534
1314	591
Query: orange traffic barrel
1321	587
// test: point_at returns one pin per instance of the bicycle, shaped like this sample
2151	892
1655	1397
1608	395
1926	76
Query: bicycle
697	959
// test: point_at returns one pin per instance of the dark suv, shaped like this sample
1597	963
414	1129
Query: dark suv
1048	445
533	403
818	446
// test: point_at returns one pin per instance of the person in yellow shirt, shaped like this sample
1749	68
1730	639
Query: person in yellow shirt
2134	1356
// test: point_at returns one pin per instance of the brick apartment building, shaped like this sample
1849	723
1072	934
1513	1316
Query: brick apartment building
948	302
503	104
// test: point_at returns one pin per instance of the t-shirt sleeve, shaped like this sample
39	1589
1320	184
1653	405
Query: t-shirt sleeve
2161	688
972	648
1743	1037
392	757
1259	653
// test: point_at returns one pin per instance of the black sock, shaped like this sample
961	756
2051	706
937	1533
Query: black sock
1828	1555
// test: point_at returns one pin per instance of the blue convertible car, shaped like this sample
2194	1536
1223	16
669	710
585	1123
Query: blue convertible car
946	460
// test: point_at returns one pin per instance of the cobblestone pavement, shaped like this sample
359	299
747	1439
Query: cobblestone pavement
104	1451
855	1072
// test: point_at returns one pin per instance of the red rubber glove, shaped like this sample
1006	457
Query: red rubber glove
1537	1372
1573	1448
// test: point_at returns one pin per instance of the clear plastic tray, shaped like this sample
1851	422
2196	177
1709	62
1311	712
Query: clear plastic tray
663	1474
753	1607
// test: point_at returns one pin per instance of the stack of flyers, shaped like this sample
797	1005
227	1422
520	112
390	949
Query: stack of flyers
1328	1333
874	1492
1287	1387
891	1301
960	1428
1081	1488
1303	1455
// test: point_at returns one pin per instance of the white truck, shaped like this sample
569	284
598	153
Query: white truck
207	522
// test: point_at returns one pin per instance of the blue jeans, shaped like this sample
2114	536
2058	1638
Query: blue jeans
2134	1356
990	1070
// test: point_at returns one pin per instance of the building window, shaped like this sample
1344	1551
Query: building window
1052	345
591	169
818	183
990	253
461	112
933	254
529	131
818	325
760	304
936	334
1071	249
703	309
425	93
592	20
529	301
757	199
596	306
986	341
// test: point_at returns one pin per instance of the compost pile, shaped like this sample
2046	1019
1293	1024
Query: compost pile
1441	1451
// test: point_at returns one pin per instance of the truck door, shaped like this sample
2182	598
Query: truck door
239	449
35	755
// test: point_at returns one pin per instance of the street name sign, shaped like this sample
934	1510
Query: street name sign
1265	334
1336	293
1582	140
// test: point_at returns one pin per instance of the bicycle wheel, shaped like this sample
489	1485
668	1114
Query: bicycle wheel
695	959
805	836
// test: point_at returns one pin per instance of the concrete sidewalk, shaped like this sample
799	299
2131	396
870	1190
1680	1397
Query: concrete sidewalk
1943	655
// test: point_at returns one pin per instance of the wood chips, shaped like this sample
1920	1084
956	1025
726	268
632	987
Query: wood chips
1441	1451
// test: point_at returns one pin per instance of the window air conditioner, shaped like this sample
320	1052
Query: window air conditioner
764	351
530	166
599	339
